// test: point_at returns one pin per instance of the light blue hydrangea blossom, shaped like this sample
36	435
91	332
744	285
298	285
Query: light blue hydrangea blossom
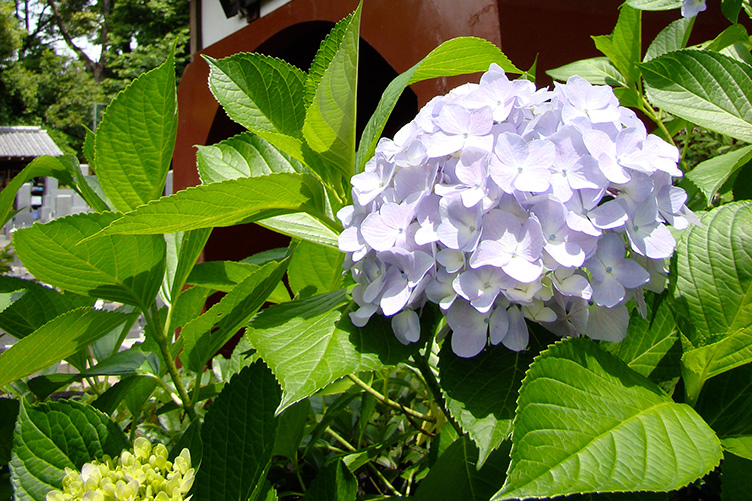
501	202
690	8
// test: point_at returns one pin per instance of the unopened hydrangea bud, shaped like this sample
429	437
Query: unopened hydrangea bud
142	448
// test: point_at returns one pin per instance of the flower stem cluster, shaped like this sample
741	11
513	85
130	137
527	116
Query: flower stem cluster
143	474
501	202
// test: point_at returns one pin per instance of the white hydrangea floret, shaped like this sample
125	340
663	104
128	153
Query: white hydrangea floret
500	203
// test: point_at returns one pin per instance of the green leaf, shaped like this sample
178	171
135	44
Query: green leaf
88	148
329	127
481	392
740	446
655	4
227	203
311	343
714	275
719	101
56	340
652	347
458	56
124	363
587	423
57	167
736	483
673	37
8	413
36	305
190	440
72	254
711	174
324	57
303	226
238	436
291	429
333	483
596	70
134	141
108	401
182	251
734	34
726	404
623	46
455	476
244	155
206	334
263	94
315	269
731	9
52	436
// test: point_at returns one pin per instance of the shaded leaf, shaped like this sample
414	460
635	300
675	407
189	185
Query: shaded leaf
736	483
335	482
238	436
8	413
315	269
455	476
711	174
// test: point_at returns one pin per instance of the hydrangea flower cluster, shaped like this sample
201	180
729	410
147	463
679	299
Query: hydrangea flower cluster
501	202
144	474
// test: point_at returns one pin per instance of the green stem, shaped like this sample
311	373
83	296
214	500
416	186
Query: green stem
164	347
655	117
391	403
347	445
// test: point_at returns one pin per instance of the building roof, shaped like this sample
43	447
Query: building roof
18	143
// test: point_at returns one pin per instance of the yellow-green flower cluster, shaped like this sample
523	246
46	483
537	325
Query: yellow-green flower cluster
144	474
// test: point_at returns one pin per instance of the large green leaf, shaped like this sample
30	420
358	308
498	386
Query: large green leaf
244	155
225	275
263	94
235	201
455	475
707	88
58	339
333	483
481	392
206	334
238	436
587	423
714	275
36	305
57	167
70	253
458	56
711	174
652	346
57	435
315	269
134	141
311	343
324	55
329	127
596	70
672	37
623	46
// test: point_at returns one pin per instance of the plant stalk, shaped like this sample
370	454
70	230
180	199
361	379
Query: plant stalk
391	403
